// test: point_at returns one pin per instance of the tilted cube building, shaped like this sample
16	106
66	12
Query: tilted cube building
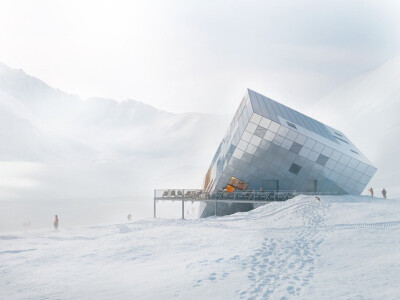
270	146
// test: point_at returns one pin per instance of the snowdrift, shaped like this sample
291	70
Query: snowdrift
341	247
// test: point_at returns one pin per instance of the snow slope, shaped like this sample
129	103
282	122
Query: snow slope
344	247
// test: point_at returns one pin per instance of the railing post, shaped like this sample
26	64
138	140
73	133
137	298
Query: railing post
215	207
155	203
274	195
183	206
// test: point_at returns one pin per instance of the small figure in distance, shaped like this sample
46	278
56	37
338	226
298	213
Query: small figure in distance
129	217
384	193
371	190
56	223
318	199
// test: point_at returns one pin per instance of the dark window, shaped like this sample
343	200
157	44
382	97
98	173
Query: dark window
291	125
341	140
296	148
322	159
260	132
354	151
294	169
337	133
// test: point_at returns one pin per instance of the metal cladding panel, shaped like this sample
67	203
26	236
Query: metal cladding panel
272	109
268	142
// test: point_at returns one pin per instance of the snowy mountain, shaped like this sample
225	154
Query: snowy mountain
340	248
98	147
367	109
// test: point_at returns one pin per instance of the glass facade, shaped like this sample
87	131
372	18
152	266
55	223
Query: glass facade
268	142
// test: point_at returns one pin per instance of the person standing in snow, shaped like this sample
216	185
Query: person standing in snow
371	190
129	217
56	223
384	193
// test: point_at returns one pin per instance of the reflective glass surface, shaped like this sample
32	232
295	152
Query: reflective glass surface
269	142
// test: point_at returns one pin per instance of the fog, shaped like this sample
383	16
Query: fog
104	103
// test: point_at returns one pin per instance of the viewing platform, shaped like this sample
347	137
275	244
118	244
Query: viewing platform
193	195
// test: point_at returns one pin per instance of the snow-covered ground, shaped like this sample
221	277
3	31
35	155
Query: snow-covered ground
340	248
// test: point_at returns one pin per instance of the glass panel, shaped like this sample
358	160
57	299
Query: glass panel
251	127
255	103
336	155
283	131
251	149
287	144
305	151
327	151
322	159
255	118
237	153
242	145
269	136
362	167
353	163
278	140
330	164
246	136
313	155
300	139
365	179
318	147
260	131
348	171
263	105
255	140
296	148
356	175
265	122
264	144
234	161
246	157
294	169
274	127
292	135
339	167
309	143
333	176
370	171
344	159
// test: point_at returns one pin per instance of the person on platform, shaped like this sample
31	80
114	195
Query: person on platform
56	223
371	190
384	193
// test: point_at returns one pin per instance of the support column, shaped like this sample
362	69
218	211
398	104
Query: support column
183	205
155	204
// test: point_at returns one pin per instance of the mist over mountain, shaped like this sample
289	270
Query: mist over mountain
98	158
56	147
367	109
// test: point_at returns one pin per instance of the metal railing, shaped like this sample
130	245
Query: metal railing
254	197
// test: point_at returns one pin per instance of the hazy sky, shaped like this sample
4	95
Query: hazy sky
198	55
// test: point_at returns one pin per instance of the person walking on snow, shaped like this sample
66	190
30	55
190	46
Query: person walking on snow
56	223
384	193
129	217
371	190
